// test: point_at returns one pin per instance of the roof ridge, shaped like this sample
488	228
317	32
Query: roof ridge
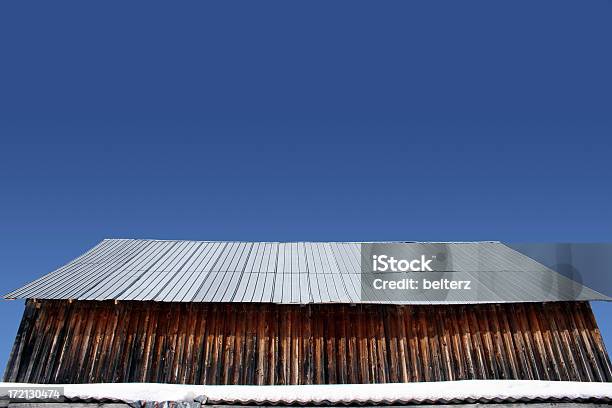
304	241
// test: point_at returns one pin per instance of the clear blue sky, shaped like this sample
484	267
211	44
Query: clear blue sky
300	121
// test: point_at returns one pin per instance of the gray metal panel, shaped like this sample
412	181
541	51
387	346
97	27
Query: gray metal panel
272	272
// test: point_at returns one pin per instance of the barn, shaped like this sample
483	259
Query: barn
271	313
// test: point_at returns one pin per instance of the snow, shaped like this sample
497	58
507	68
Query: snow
128	392
470	390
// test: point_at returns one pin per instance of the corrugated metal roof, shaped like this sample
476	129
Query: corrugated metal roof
273	272
472	393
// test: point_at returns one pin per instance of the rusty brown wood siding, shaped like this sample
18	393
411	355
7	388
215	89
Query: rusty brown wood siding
81	342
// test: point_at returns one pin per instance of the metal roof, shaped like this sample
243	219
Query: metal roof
433	394
270	272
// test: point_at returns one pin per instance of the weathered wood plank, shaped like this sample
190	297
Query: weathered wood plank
330	346
313	344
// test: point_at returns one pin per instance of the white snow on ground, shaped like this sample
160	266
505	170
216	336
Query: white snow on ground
469	390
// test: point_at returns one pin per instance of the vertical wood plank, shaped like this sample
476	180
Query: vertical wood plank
229	347
341	340
330	346
314	344
585	309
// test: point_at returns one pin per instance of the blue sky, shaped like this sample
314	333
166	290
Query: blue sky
300	121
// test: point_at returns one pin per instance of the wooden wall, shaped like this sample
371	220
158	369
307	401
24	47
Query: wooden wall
80	342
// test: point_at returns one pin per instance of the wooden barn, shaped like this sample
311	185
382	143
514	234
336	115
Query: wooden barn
199	312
